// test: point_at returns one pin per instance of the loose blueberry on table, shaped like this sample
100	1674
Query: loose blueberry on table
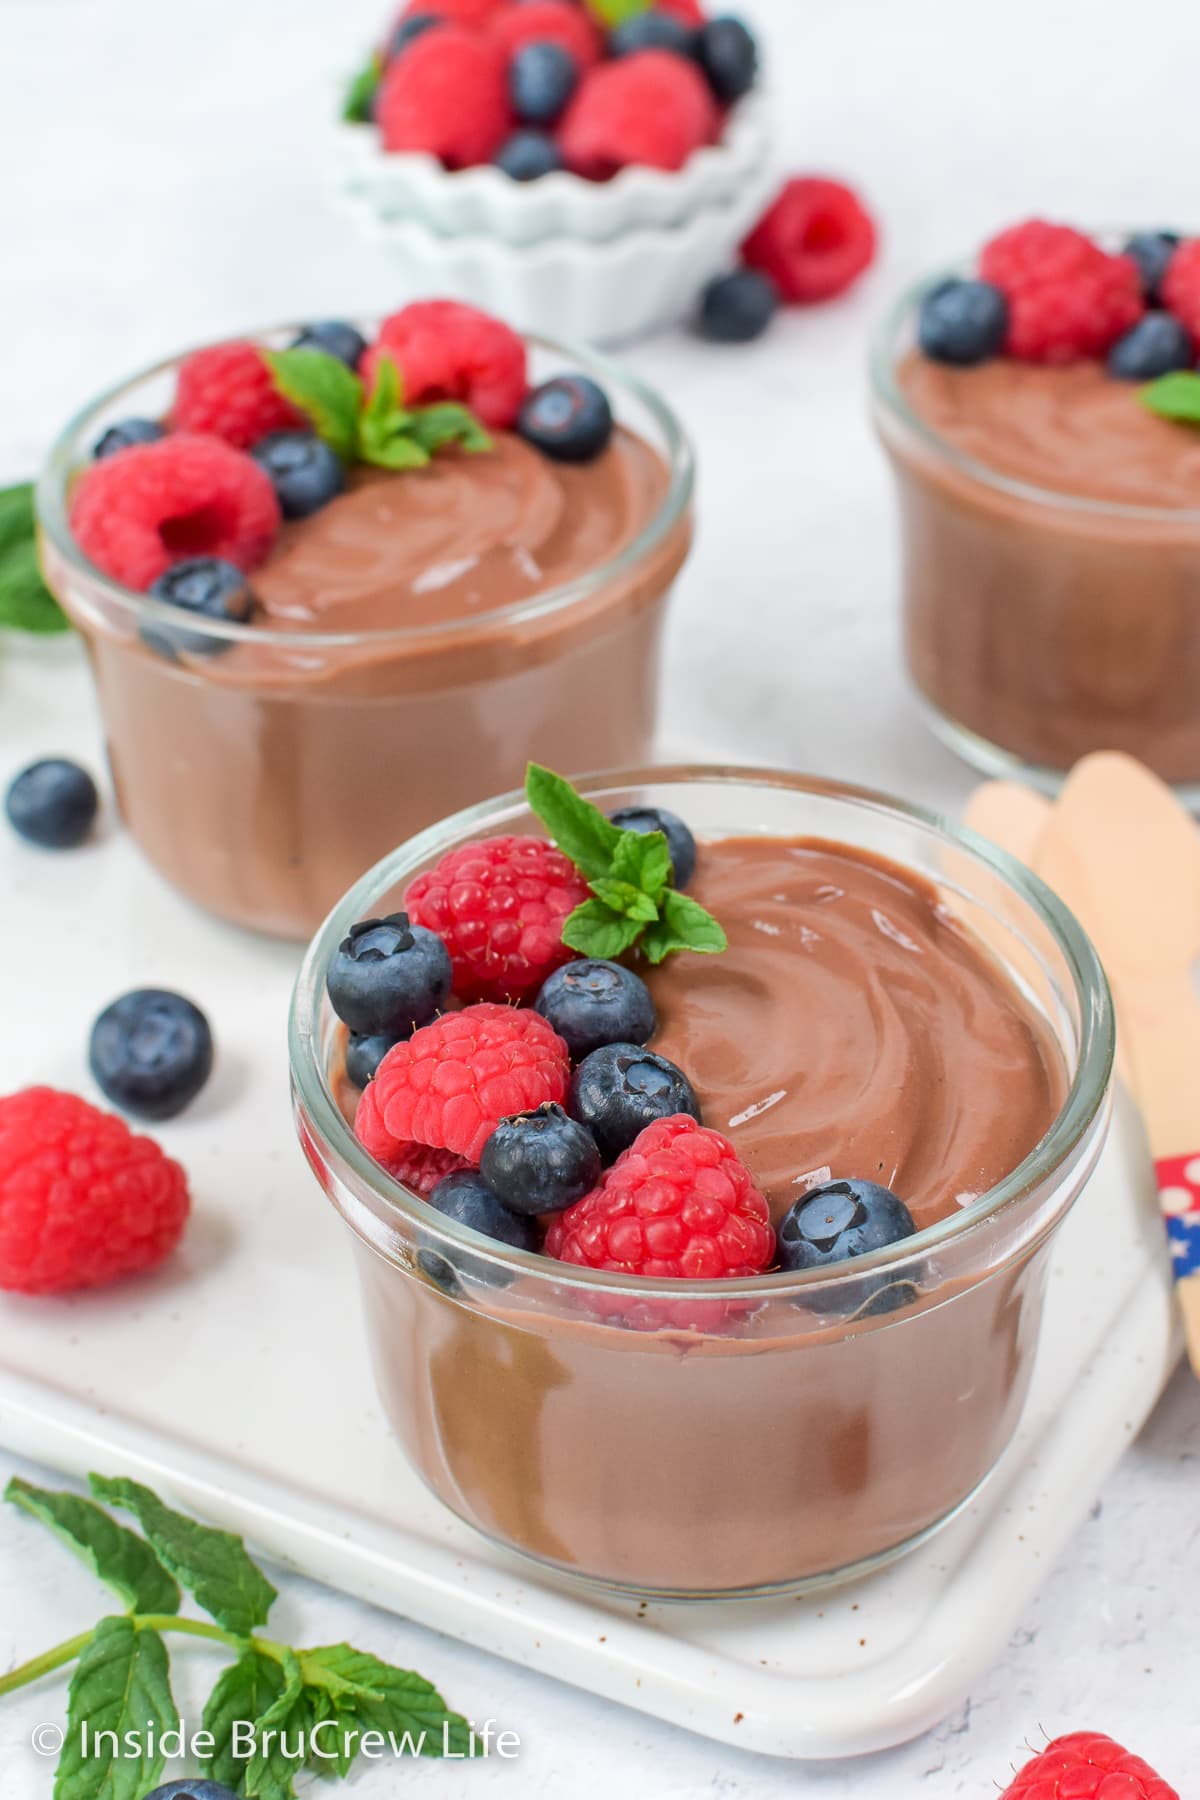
52	803
151	1052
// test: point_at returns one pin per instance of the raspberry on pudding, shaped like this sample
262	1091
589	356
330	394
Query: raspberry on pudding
1050	498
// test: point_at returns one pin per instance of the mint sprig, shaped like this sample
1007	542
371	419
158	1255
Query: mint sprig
359	101
615	12
1175	397
274	1712
376	427
26	603
629	873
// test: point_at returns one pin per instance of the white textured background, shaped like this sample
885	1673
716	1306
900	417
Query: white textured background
160	181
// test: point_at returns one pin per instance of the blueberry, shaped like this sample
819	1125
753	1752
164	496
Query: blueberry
364	1055
540	1162
592	1003
151	1052
466	1198
388	977
125	434
335	337
52	803
528	155
409	29
680	841
652	30
541	79
192	1790
1154	346
305	473
619	1090
963	322
568	419
1152	251
728	54
736	308
840	1221
208	587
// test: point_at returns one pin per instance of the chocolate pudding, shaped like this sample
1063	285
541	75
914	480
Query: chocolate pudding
855	1025
1051	530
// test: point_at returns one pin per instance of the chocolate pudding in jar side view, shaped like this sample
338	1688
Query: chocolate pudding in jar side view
335	582
1041	414
703	1135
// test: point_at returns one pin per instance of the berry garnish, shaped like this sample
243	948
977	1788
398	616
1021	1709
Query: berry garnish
193	1789
305	473
1155	346
334	336
125	434
1152	252
151	1052
52	803
1088	1766
1067	298
1181	286
416	1166
621	1088
540	1162
568	418
453	1081
208	588
736	308
814	241
679	1204
591	1003
652	108
446	350
388	977
141	510
409	29
447	95
963	322
680	841
82	1200
499	906
560	22
541	79
728	54
364	1055
226	391
467	1199
841	1220
655	29
528	155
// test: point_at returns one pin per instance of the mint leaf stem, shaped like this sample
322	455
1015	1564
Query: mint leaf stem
45	1664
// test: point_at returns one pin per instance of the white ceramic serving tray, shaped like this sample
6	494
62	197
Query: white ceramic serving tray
236	1379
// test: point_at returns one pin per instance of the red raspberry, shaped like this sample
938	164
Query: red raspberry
498	906
450	1084
814	241
1181	285
447	95
469	13
139	511
1067	298
548	22
653	108
228	390
82	1200
415	1166
1088	1766
446	350
690	11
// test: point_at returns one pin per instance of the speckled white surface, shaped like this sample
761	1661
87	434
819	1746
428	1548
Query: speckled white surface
160	183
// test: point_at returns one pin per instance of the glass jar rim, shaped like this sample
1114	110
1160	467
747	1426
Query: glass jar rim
53	487
1084	1101
892	401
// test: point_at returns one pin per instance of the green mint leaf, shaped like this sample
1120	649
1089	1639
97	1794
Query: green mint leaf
405	1708
394	453
281	1737
615	12
332	1751
594	929
26	603
385	426
644	859
325	390
580	829
448	423
16	516
622	897
119	1557
684	925
121	1684
343	1672
245	1690
211	1564
1174	396
360	94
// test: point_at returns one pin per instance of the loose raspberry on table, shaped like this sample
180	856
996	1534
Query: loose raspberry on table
143	509
415	1166
813	241
548	22
447	95
1181	286
452	1082
1067	298
82	1200
653	108
446	350
1088	1766
499	906
228	390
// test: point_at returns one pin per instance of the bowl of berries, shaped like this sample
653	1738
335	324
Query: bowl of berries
702	1134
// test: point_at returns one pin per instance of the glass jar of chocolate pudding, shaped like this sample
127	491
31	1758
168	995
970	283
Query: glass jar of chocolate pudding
413	644
899	1002
1051	542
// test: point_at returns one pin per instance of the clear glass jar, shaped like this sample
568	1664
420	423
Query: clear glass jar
261	781
803	1433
